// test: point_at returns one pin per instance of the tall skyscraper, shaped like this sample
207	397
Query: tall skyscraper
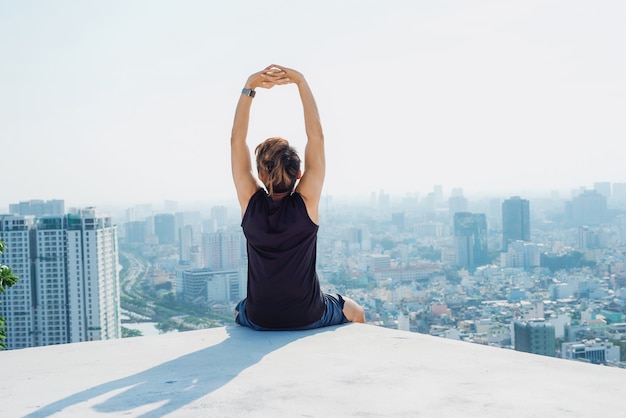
470	237
515	221
165	228
589	208
69	285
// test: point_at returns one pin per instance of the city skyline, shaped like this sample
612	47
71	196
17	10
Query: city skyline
133	102
437	198
431	272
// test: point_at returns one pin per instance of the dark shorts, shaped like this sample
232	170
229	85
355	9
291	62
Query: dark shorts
333	315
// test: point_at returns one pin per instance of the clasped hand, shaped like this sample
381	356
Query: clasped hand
273	75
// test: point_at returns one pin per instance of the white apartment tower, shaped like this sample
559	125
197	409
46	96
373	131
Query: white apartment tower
222	250
16	304
69	283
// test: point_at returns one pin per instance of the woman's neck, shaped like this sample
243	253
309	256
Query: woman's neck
278	196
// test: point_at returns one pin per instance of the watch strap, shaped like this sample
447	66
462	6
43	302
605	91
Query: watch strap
248	92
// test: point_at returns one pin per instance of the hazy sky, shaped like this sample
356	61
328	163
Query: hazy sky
133	101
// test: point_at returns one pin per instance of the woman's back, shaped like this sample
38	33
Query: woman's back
283	289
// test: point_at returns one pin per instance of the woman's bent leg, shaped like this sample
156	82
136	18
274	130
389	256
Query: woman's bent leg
353	311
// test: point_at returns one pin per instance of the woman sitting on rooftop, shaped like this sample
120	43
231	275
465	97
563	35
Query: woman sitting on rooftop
280	215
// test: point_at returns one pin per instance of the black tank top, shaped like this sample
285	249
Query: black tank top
283	287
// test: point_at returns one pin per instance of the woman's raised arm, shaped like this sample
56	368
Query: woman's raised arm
246	183
310	186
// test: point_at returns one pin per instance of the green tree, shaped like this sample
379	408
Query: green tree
7	279
128	333
166	325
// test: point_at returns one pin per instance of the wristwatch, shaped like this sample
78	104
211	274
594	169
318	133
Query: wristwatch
248	92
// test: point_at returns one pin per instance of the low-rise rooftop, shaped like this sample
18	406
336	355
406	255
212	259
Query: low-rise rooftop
353	370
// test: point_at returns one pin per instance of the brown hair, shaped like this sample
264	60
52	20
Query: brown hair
278	165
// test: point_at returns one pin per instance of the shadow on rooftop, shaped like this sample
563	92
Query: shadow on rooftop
171	385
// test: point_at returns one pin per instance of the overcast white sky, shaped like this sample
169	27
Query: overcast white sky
130	102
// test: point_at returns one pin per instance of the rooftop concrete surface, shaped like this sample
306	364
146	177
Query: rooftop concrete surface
353	370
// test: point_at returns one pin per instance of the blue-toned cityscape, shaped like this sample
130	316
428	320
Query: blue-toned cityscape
543	275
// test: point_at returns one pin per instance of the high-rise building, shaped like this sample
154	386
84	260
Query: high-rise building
130	215
191	219
16	305
222	250
397	219
165	228
433	200
535	336
207	285
470	237
594	238
619	195
522	254
185	243
494	213
438	194
384	201
620	222
604	188
589	208
170	206
457	204
38	207
219	215
430	229
68	288
515	221
135	232
142	211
